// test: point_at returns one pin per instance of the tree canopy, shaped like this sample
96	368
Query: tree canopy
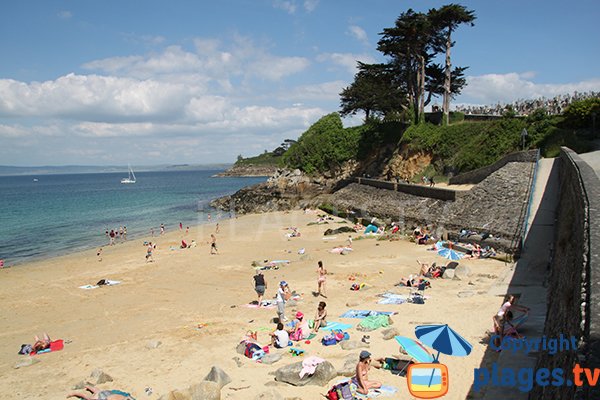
401	83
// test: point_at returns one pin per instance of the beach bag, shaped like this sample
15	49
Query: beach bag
251	348
341	391
329	340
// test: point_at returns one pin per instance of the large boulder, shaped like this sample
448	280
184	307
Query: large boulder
462	272
271	358
349	367
206	390
448	274
390	333
341	229
177	395
218	376
291	374
99	377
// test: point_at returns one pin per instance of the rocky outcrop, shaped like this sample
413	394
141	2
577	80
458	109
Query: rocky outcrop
291	374
249	170
284	190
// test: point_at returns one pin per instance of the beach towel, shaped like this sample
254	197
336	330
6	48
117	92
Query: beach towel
374	322
309	365
89	287
55	345
392	298
340	250
364	313
383	391
266	307
335	326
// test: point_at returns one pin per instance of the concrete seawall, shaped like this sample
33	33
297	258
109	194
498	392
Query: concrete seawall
573	302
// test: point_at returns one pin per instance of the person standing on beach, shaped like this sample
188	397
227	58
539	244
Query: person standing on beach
187	230
149	250
162	229
152	231
260	286
99	254
283	294
124	233
208	217
112	237
217	228
180	226
322	272
213	244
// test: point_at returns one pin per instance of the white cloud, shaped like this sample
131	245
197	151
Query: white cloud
346	60
358	33
310	5
506	88
287	6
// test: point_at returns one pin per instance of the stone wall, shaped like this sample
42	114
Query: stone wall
574	280
416	190
478	175
492	206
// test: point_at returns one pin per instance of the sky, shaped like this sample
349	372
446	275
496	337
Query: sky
149	82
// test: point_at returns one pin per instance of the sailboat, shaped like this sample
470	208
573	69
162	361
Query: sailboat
130	178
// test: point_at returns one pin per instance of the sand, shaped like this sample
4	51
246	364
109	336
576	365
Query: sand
165	300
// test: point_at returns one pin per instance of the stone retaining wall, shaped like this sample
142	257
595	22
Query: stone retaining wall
491	206
415	190
574	280
480	174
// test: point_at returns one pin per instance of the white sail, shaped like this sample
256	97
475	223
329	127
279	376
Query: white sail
131	176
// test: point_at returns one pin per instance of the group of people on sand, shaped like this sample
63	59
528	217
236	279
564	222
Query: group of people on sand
114	235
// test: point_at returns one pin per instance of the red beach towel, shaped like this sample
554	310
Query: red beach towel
55	345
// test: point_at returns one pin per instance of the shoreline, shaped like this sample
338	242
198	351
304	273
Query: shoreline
165	300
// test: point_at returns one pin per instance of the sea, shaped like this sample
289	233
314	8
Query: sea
50	215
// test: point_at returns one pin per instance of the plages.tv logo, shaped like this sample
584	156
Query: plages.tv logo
427	378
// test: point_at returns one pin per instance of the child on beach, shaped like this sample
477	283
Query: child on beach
283	294
300	328
99	254
280	337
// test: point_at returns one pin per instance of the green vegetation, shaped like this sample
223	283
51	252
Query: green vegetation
267	158
324	146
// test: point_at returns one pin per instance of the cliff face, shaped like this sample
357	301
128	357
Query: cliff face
250	170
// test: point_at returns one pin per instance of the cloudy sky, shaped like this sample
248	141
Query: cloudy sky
153	82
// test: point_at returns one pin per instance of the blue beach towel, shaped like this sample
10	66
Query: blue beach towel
364	313
392	298
335	326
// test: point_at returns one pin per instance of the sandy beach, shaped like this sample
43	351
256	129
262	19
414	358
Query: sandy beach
165	300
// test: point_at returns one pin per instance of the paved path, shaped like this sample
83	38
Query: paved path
593	160
528	275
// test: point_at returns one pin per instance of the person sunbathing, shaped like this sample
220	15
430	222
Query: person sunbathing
413	281
41	344
98	394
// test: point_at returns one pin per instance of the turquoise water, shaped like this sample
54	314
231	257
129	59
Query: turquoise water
60	214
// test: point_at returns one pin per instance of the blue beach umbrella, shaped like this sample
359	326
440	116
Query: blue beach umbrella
450	254
443	339
414	349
